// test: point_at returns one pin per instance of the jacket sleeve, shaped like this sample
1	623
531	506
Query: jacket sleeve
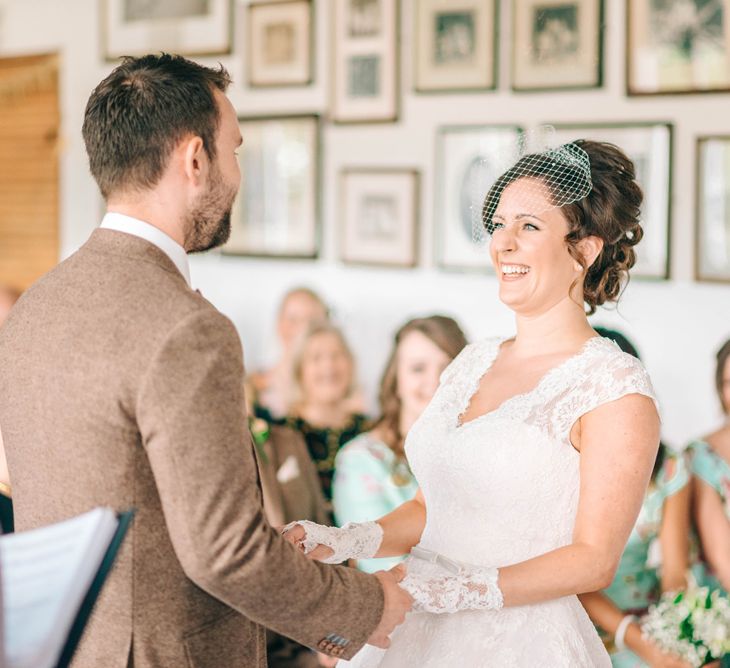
191	416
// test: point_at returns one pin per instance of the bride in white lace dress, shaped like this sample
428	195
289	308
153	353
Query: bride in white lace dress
535	452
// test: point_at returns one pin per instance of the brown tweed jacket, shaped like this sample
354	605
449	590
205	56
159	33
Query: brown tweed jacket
122	387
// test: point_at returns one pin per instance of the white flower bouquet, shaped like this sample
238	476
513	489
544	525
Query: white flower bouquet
693	625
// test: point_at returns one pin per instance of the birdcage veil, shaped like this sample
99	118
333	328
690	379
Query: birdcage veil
552	175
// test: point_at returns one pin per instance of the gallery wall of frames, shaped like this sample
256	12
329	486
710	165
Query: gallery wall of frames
366	124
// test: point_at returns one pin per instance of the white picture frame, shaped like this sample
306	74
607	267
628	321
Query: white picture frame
379	223
469	160
276	213
186	27
649	145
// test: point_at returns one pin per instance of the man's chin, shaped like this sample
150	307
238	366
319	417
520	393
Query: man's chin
220	237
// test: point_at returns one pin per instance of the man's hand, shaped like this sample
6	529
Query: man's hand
296	536
397	603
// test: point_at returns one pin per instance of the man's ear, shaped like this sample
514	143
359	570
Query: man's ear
195	159
590	248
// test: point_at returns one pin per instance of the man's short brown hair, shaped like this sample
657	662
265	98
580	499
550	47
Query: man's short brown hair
138	114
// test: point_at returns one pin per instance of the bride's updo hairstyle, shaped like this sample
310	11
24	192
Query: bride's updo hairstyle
610	212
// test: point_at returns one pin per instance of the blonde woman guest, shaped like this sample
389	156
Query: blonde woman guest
323	381
710	458
300	308
372	476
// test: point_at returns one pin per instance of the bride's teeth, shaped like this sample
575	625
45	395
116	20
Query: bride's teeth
514	269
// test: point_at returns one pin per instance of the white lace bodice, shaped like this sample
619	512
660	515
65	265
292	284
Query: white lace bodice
501	489
504	487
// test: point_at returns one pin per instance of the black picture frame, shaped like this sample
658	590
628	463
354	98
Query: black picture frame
292	69
657	63
366	57
561	66
480	20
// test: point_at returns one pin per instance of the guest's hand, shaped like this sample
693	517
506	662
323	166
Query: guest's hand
655	657
397	603
296	535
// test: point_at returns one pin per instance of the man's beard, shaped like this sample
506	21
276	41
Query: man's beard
209	222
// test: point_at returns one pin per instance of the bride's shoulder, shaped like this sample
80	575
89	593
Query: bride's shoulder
609	366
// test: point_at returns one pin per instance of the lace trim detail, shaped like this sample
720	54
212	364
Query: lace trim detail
599	373
355	540
473	589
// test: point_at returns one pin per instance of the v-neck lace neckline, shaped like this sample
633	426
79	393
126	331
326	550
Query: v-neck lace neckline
550	373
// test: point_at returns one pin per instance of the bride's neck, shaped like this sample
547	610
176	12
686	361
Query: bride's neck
563	327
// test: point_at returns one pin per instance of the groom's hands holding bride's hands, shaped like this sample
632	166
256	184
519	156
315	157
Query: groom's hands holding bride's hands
397	602
355	541
296	535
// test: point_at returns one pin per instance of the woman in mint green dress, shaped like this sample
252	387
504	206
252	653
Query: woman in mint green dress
710	459
372	477
655	560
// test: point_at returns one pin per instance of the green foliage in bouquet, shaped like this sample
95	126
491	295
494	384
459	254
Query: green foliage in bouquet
693	625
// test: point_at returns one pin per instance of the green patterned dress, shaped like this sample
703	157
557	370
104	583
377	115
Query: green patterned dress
370	481
637	582
711	468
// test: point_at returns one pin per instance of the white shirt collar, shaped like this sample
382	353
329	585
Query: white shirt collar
138	228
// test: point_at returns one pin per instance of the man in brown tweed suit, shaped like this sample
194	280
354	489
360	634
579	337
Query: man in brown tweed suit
121	386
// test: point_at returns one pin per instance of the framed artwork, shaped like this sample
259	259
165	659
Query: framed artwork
455	45
379	216
280	43
649	145
187	27
677	47
276	213
365	61
712	246
557	44
469	160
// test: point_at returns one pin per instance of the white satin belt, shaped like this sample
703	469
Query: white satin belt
456	567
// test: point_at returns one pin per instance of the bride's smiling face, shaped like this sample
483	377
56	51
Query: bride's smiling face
529	252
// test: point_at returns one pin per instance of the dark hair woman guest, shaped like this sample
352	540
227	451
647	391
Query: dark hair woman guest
372	476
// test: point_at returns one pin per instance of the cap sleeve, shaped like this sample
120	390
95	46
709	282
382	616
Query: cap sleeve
605	378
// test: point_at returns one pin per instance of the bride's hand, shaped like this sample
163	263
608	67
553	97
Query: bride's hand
296	535
333	545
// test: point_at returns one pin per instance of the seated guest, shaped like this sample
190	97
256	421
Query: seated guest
290	489
372	476
289	480
300	308
320	408
8	297
662	527
710	462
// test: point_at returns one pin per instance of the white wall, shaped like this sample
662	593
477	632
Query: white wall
677	324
